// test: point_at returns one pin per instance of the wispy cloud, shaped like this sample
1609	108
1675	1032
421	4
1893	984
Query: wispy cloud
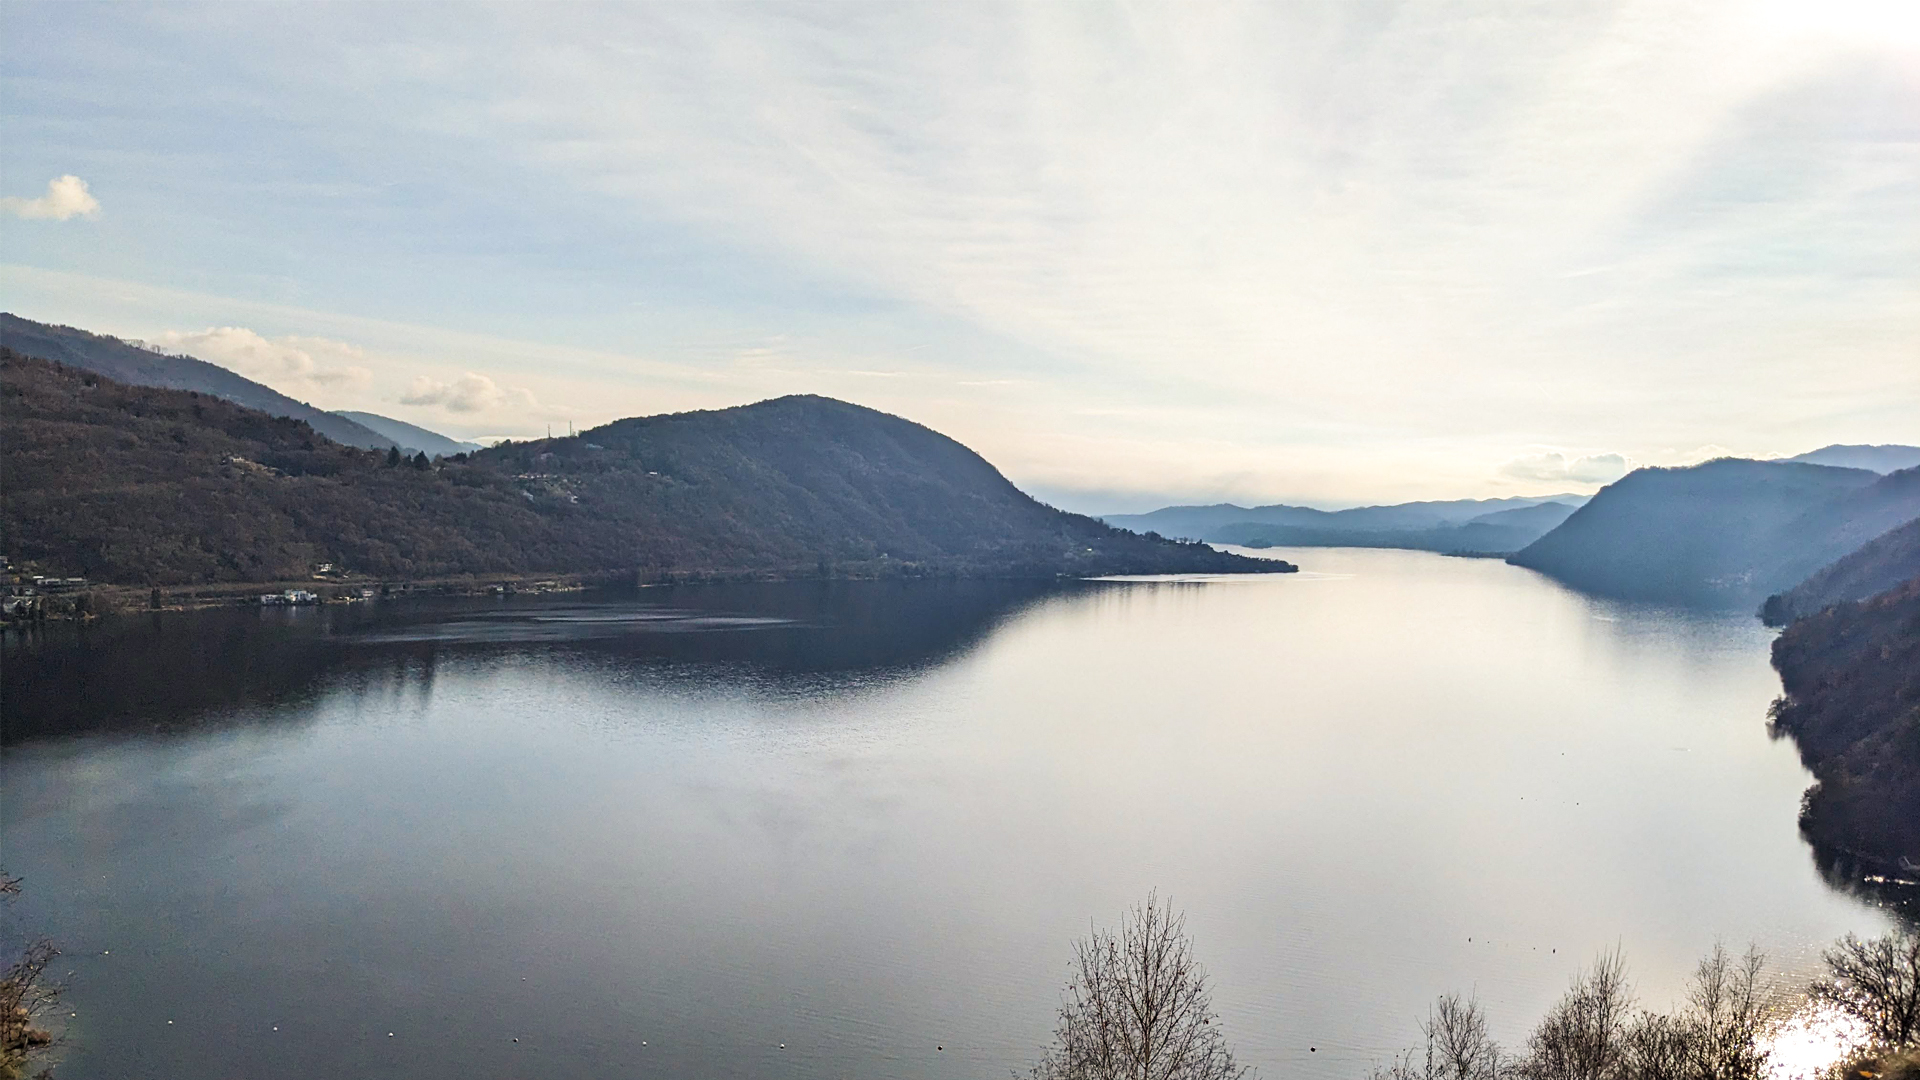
1564	467
67	198
291	363
475	393
1246	250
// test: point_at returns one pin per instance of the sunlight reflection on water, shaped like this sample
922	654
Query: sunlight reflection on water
1812	1041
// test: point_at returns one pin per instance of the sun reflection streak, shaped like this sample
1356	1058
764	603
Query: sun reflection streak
1812	1041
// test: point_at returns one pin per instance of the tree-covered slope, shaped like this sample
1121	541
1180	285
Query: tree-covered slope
1852	703
1724	533
128	363
1879	565
137	485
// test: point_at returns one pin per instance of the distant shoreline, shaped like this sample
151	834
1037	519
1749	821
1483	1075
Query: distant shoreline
102	600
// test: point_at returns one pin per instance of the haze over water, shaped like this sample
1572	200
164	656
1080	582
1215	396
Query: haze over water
867	820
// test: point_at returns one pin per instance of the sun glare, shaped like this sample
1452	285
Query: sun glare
1811	1042
1888	23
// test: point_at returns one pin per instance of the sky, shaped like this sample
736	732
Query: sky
1327	253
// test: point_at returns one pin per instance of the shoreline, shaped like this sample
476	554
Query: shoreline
101	600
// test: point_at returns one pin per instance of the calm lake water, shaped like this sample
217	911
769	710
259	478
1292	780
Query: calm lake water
664	832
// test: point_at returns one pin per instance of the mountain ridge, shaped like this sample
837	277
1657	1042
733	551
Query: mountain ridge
1871	569
142	485
1197	521
135	365
1883	459
1726	532
410	437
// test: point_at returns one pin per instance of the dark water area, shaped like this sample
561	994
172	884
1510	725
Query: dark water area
167	670
663	832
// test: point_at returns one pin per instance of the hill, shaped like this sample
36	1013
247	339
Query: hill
1498	532
1880	459
411	437
1852	704
136	366
1879	565
1545	516
1724	533
1228	523
142	485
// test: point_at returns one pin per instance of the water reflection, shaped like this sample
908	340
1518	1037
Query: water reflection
178	669
866	819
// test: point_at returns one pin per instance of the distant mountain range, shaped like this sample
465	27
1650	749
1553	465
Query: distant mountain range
1499	532
144	485
1480	525
1880	459
410	437
1724	533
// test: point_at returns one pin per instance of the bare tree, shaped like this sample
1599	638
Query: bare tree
1138	1007
1878	983
1458	1046
1727	1016
25	995
1661	1048
1584	1036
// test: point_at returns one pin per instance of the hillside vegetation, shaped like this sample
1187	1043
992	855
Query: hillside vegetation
141	485
1852	703
1724	533
137	366
1882	563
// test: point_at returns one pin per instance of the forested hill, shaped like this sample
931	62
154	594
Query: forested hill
1724	533
1852	679
1885	561
142	485
137	366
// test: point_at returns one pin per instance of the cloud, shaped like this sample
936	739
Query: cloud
1557	466
475	393
67	197
291	362
1258	237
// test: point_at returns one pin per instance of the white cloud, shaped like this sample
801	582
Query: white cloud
476	393
67	197
1257	237
291	363
1560	466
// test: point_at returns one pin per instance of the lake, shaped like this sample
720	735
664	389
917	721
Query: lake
666	831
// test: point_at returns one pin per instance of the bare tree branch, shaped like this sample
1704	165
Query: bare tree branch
1138	1008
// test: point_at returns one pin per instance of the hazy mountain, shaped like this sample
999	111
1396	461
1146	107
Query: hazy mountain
1880	459
411	437
137	366
1223	520
1500	532
1545	516
1726	532
138	484
1879	565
